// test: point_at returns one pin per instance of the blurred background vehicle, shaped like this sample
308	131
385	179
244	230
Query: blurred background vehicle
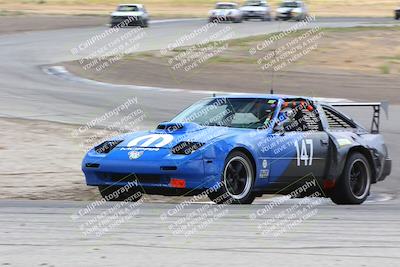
130	15
397	13
296	10
256	9
225	11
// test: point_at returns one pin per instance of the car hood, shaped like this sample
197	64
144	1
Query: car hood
167	135
253	8
127	14
284	9
222	12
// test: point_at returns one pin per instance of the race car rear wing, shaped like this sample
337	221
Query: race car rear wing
376	107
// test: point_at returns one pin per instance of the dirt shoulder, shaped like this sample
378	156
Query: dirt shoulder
24	23
357	63
41	160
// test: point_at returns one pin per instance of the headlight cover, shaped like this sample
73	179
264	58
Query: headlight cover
186	148
107	146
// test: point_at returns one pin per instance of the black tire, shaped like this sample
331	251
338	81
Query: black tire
266	18
239	20
144	24
238	172
118	193
354	185
397	17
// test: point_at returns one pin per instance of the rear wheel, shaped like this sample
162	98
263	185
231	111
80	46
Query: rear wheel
354	185
237	181
119	193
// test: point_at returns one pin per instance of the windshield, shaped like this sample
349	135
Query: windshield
251	113
289	4
254	3
127	8
225	6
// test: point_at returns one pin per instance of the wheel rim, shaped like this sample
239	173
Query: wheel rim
237	177
359	179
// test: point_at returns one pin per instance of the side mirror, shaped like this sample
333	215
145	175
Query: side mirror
278	128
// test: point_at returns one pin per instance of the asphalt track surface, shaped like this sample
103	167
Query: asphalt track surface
42	233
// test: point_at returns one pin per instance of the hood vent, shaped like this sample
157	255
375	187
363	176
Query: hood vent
170	126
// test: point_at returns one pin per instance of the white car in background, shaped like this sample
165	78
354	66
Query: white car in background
296	10
256	9
225	11
130	15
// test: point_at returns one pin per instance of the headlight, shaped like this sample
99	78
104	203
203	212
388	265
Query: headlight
107	146
186	148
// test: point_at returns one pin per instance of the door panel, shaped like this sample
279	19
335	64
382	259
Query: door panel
298	155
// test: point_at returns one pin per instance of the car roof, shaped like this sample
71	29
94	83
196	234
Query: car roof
138	5
269	96
226	3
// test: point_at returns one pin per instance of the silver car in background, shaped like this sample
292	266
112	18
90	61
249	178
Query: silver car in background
225	11
256	9
130	15
296	10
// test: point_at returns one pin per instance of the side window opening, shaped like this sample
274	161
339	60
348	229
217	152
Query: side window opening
300	115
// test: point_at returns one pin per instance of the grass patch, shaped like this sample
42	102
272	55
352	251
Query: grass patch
385	69
11	13
226	59
332	51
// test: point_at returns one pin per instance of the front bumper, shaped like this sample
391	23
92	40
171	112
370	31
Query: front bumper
253	15
223	18
198	173
286	15
128	21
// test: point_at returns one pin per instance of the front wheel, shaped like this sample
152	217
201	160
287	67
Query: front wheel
120	193
237	181
144	24
266	17
238	20
354	185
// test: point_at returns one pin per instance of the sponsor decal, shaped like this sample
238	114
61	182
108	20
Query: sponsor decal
264	174
151	140
344	142
264	164
135	154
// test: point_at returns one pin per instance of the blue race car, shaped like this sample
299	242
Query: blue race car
236	148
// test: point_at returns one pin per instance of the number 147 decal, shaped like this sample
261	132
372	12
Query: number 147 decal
305	152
